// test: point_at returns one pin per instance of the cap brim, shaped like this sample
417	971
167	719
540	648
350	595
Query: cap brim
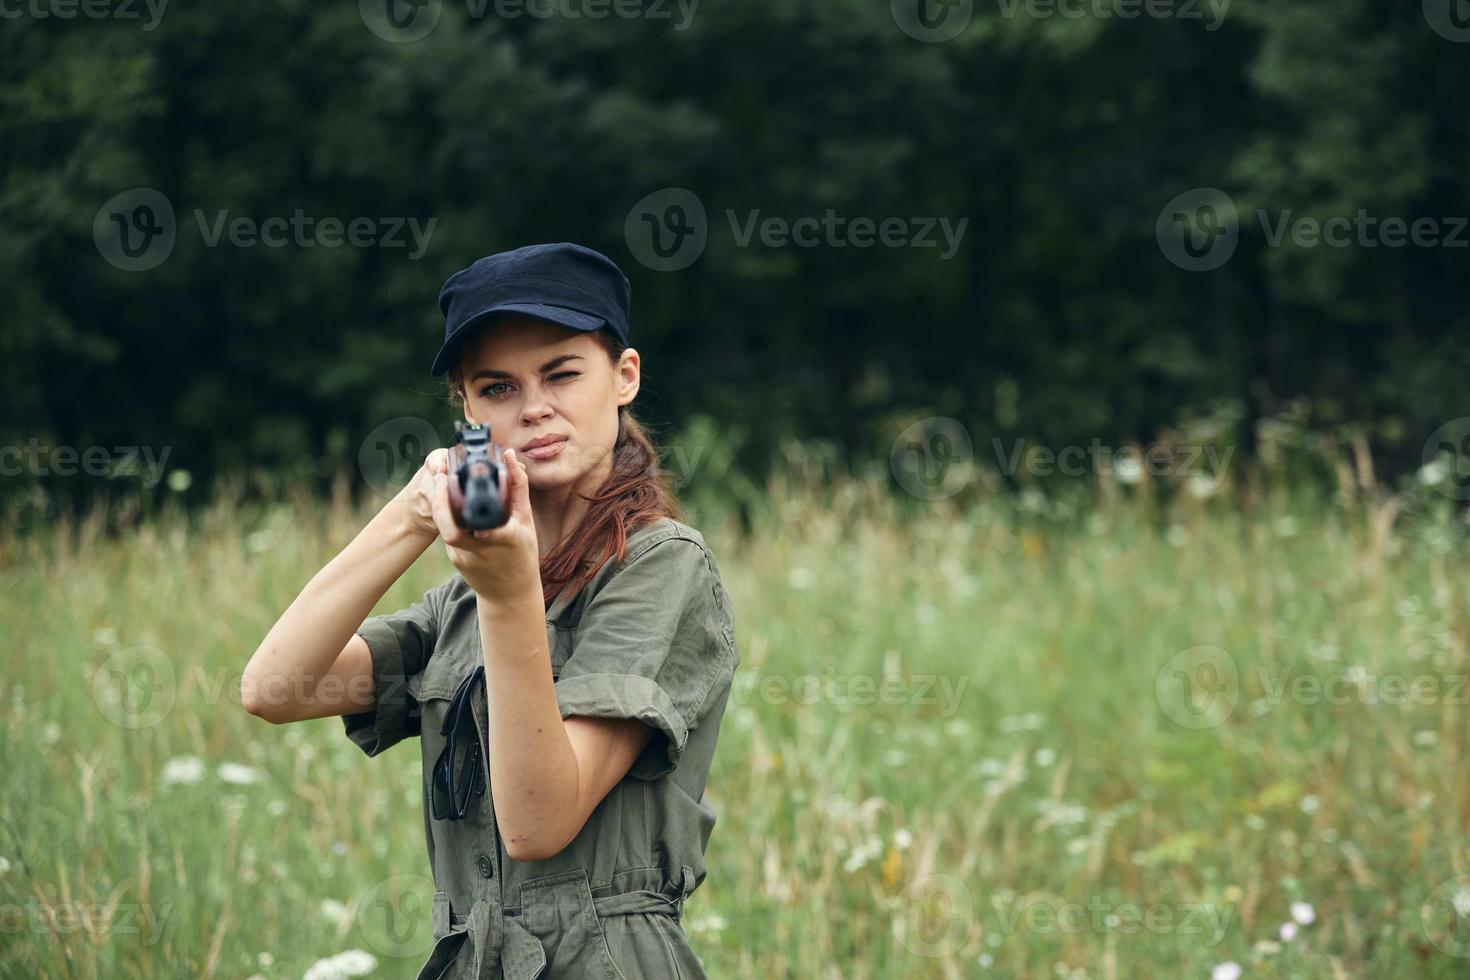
559	315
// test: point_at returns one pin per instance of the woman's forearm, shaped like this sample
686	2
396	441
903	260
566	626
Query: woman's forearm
304	643
533	767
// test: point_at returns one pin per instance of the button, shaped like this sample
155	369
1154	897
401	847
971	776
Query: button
487	868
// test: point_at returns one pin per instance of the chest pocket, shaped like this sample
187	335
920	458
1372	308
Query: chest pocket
451	662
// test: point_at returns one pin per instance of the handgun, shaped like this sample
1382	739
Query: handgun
479	486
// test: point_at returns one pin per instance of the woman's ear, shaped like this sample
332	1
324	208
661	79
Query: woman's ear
630	373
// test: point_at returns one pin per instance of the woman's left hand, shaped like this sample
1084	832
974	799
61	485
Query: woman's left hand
500	562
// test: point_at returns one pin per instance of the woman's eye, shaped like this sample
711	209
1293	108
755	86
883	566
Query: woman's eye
494	390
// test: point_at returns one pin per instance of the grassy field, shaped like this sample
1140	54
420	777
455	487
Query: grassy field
1019	737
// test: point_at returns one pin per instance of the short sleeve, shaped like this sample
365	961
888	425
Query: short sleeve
650	646
400	644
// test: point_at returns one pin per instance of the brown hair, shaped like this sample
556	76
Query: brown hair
635	493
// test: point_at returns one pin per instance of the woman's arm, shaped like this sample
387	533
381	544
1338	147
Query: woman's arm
547	774
311	664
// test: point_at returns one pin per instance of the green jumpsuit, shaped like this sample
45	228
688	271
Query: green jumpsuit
652	638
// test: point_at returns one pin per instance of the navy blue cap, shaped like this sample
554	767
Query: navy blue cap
570	285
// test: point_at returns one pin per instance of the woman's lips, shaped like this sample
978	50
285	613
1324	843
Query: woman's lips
546	452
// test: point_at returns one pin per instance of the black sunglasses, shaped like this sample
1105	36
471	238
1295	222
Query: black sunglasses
450	797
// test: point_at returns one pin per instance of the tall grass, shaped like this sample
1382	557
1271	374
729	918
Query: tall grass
965	740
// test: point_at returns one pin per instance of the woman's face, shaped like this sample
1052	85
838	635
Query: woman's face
528	379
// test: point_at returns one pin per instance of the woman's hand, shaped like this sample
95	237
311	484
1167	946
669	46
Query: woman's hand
417	498
501	562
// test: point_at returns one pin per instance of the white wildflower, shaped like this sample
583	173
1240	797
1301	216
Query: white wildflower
239	775
1288	931
1128	469
1433	473
335	911
353	963
184	770
1202	485
1229	970
1303	913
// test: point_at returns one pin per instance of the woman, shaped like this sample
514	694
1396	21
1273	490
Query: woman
567	685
